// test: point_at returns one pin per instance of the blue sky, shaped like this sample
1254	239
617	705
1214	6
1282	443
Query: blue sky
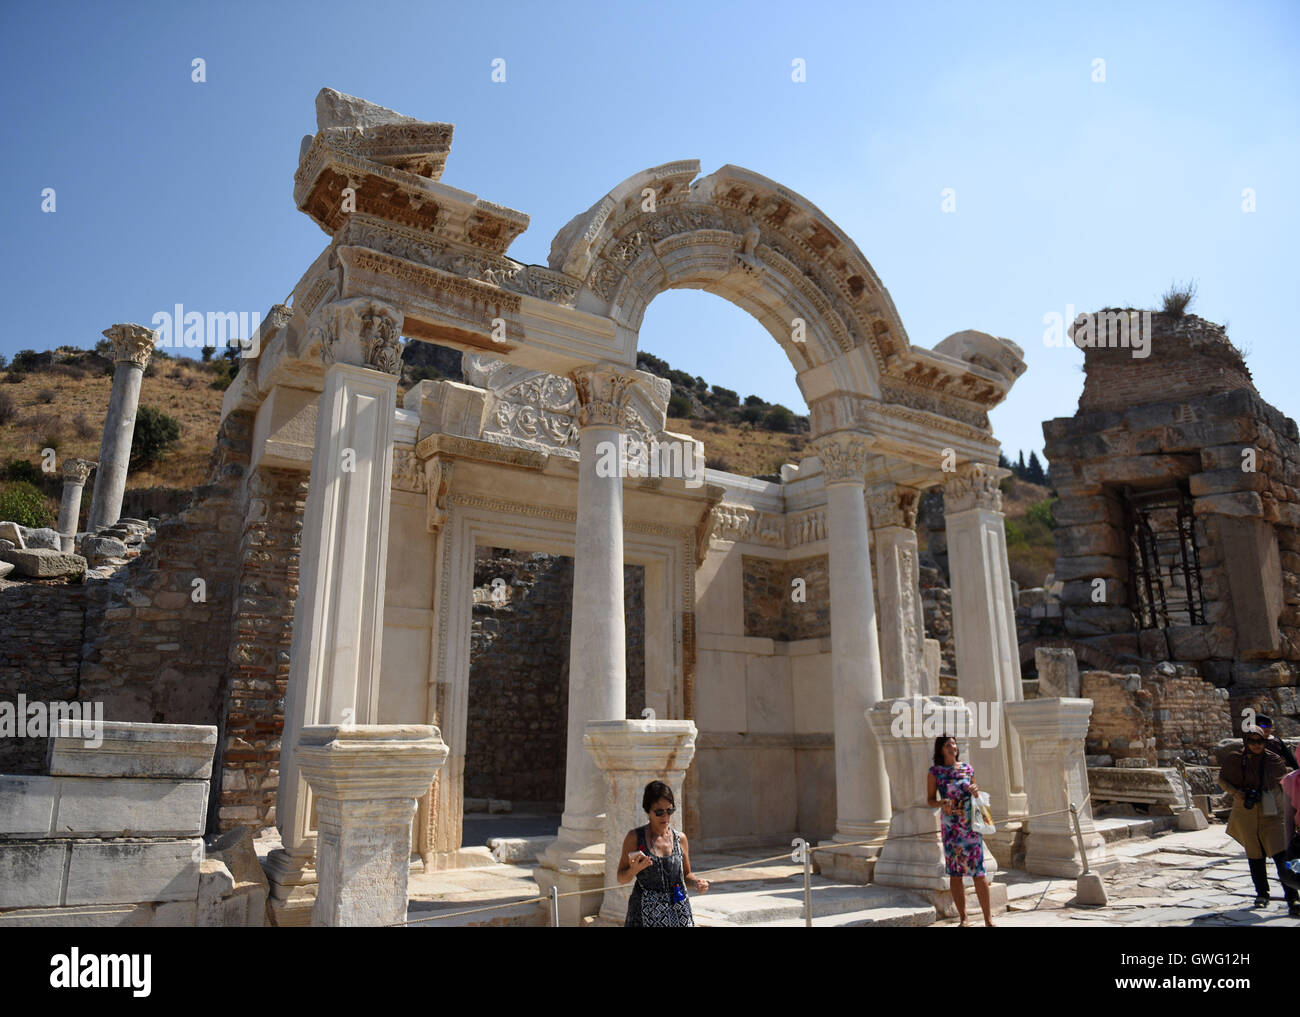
1068	191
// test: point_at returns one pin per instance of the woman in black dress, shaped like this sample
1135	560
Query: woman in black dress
658	858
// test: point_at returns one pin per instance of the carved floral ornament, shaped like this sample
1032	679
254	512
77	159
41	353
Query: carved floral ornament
132	344
844	456
974	486
893	506
360	331
603	394
77	471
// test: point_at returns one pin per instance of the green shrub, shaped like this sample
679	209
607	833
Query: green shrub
779	418
1041	512
8	408
23	504
22	470
155	433
679	406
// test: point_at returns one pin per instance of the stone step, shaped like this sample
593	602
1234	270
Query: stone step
782	901
536	914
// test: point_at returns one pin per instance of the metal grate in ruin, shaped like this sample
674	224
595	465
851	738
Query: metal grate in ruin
1164	563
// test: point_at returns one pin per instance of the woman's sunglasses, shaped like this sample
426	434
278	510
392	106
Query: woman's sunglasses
663	812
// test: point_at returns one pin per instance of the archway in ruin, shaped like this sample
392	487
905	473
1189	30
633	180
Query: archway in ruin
411	256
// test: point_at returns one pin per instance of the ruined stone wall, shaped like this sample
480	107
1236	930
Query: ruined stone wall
262	631
771	612
1186	417
1153	719
41	625
516	729
138	642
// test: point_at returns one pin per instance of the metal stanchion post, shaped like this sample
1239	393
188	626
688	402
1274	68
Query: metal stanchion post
802	854
555	907
1088	888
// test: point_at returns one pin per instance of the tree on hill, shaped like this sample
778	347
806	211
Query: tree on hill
1034	471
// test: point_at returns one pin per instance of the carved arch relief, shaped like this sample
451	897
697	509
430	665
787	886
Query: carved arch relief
743	237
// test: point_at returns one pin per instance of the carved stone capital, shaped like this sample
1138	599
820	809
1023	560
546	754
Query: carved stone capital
603	393
893	506
77	471
132	344
973	485
844	456
360	331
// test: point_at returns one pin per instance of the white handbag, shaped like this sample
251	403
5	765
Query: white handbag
981	816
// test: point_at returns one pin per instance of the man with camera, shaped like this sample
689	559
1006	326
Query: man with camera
1254	777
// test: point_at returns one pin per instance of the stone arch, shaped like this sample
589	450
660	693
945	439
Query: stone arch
742	237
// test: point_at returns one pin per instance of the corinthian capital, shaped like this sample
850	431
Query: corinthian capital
132	344
974	485
603	393
77	471
844	456
893	506
360	331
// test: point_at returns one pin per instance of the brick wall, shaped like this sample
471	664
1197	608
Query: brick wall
771	612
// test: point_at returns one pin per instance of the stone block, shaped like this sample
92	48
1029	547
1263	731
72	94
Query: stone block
1243	504
31	874
1199	642
133	871
45	563
1090	539
1226	482
26	806
13	533
5	569
130	749
1091	565
42	537
1058	672
98	549
111	807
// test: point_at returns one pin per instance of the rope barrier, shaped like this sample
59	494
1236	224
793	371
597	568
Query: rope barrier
785	855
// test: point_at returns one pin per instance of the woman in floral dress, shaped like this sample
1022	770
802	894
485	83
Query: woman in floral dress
950	786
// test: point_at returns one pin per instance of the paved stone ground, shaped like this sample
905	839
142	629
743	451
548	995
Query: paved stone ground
1196	878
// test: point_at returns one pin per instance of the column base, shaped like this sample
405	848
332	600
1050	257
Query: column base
577	875
1007	845
1057	854
292	885
910	858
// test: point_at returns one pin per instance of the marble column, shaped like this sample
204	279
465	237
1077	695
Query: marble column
861	789
366	779
984	633
901	621
630	754
1053	733
75	474
597	641
334	659
132	347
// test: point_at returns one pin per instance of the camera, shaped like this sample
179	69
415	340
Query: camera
1252	797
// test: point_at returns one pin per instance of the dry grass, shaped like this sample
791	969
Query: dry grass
72	419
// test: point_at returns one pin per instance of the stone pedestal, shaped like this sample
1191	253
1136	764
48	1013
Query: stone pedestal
861	791
75	474
597	644
984	632
630	754
366	780
339	613
1053	732
132	347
